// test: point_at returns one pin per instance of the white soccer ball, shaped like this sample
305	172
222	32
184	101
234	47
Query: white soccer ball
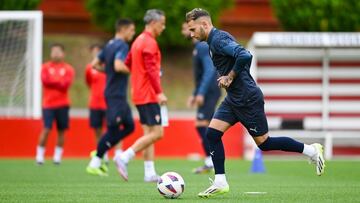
171	185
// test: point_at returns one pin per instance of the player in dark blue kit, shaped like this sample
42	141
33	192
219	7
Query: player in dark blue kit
118	113
205	95
244	102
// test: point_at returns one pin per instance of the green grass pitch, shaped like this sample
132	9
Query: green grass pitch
284	181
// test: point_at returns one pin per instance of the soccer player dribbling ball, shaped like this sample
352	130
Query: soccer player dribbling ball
56	78
244	102
205	95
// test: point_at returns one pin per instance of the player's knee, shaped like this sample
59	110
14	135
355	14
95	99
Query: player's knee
158	133
213	135
265	145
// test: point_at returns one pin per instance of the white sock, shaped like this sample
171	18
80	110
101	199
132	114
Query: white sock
106	157
40	152
118	152
309	150
208	161
220	180
149	168
57	154
127	155
95	162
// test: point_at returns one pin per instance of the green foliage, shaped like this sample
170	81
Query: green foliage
105	13
19	4
318	15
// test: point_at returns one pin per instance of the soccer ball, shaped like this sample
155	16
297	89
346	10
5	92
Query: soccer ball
171	185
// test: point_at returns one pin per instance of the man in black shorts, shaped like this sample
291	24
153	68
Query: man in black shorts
205	95
244	102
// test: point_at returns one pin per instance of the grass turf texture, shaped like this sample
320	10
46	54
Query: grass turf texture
284	181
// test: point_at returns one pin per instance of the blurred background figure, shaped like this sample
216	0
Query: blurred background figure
205	95
144	60
56	77
96	81
120	122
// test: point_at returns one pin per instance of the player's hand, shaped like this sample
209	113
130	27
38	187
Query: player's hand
190	102
162	99
199	100
224	81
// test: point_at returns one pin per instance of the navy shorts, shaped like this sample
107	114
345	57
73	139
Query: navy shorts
118	112
251	115
97	118
206	111
60	115
149	114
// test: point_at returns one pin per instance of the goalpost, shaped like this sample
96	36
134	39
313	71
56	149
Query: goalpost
20	63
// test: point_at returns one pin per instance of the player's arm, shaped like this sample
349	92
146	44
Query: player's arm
88	76
98	62
235	50
67	79
47	79
119	64
242	57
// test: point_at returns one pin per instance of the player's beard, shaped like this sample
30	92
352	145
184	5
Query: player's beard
202	36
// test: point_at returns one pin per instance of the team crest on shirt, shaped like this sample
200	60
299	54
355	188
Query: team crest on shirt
157	118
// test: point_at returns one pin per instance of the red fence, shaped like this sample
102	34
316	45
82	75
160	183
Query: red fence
19	139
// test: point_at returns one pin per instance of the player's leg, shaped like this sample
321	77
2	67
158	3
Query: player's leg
115	117
62	123
149	115
150	174
48	118
254	119
223	120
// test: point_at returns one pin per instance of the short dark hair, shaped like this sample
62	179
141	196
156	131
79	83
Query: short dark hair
59	45
153	15
123	22
96	45
196	13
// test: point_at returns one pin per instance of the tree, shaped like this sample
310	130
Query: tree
318	15
105	13
19	5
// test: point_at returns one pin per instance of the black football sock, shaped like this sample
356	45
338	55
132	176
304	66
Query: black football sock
282	143
216	150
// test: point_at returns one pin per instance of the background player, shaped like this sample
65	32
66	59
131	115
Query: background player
205	95
118	110
244	102
144	59
96	80
56	78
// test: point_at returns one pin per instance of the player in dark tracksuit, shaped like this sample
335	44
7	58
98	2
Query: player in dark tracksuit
244	102
119	118
205	95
